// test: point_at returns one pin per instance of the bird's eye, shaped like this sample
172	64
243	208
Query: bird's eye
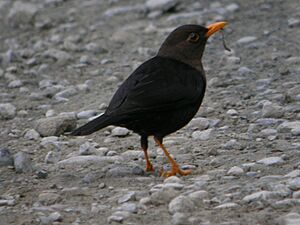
193	37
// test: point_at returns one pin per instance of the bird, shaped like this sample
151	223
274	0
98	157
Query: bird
163	94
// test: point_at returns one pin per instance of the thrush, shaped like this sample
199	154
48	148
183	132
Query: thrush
163	94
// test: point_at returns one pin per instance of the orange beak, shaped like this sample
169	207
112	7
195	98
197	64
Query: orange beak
213	28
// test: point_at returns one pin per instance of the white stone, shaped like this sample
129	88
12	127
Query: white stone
163	5
7	111
247	39
181	204
227	205
198	196
260	195
119	132
202	135
294	173
271	161
235	171
232	112
86	114
294	184
15	84
32	135
287	126
232	7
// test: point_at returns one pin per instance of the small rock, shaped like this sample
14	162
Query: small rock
294	173
55	216
179	219
22	163
42	174
233	7
55	126
260	195
294	184
181	204
93	47
161	5
7	111
270	161
244	71
200	123
288	126
52	157
202	135
246	40
198	196
128	207
15	84
268	132
6	158
22	13
86	114
130	196
227	205
66	93
272	111
232	112
173	179
32	135
163	196
292	218
119	132
60	56
293	22
86	149
48	198
296	131
235	171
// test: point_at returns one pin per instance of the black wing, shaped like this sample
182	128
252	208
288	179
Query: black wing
159	84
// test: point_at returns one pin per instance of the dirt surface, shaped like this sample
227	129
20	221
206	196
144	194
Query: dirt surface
66	57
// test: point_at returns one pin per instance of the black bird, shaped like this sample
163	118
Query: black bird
163	94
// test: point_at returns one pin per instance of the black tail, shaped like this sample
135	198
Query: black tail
92	126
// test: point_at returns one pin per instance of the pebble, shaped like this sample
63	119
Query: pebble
296	131
232	112
22	13
235	171
182	204
200	123
86	114
49	198
56	216
268	132
22	163
128	207
202	135
288	126
179	218
161	5
52	157
272	111
55	126
233	7
31	135
86	149
294	173
7	111
294	184
163	196
227	205
198	197
246	40
270	161
59	56
6	159
260	195
130	196
292	218
15	84
120	132
293	22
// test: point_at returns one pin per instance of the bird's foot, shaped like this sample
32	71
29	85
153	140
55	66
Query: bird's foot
175	170
149	167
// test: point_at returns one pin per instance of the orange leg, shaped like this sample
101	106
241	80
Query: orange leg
175	168
144	144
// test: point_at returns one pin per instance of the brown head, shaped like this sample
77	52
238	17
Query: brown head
186	43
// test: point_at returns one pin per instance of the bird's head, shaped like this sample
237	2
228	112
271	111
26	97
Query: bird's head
186	43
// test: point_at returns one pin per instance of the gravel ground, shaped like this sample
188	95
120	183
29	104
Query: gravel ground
60	63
